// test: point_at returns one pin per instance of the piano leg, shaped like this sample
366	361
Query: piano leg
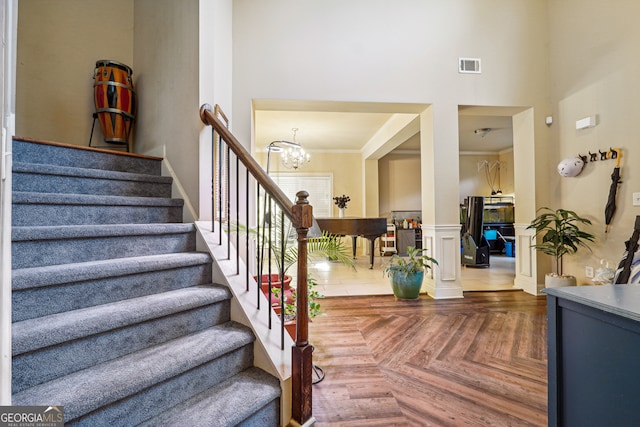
353	242
372	243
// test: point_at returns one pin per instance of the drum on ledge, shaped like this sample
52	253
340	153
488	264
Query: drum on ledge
115	101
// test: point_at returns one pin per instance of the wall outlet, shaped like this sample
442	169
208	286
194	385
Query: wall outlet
588	271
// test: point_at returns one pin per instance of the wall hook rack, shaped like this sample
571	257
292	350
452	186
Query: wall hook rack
612	153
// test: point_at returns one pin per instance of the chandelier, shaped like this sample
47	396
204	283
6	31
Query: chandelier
292	153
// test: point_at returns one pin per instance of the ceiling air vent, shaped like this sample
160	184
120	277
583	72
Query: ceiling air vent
469	65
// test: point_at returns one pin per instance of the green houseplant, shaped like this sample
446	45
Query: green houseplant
406	273
561	235
325	246
290	304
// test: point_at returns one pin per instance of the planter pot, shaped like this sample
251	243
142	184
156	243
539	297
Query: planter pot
552	280
405	286
275	282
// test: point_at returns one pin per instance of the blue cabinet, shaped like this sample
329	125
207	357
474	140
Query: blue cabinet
594	355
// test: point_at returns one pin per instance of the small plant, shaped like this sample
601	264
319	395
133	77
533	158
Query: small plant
415	262
341	201
561	234
290	302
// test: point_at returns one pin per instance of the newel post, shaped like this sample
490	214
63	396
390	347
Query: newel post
302	364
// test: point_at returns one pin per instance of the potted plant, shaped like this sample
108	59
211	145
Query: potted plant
406	273
290	305
561	235
341	202
325	246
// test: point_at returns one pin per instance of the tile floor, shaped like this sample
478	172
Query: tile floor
335	279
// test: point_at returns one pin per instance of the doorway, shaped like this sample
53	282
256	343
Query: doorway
487	169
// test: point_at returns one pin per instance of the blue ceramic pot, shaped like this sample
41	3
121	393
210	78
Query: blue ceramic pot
405	286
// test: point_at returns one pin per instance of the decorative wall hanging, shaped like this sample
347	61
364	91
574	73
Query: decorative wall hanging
570	167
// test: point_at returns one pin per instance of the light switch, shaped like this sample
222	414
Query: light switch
636	199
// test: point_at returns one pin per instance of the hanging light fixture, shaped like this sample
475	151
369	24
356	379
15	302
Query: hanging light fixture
293	155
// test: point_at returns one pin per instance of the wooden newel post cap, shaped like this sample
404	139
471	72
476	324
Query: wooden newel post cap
303	198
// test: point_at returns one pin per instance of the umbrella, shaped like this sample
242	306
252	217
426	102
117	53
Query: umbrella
623	273
610	209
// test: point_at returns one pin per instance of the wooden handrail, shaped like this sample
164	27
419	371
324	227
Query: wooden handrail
208	118
301	216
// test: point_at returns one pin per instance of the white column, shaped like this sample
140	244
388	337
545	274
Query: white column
440	198
443	243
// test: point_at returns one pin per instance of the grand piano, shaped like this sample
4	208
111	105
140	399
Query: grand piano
369	228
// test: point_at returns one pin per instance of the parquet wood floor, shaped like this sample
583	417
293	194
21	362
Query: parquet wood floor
476	361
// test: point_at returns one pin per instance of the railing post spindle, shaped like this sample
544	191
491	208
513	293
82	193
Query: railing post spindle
246	201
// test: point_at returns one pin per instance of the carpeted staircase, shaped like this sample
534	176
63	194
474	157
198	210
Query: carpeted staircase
115	316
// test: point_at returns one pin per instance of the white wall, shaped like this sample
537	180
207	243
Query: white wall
215	44
371	50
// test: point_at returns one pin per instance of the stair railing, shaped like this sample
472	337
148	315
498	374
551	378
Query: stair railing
225	149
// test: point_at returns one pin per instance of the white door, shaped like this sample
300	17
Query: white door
9	19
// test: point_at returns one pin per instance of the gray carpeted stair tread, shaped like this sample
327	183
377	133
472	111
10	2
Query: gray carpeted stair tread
34	151
32	334
41	246
51	275
35	177
115	316
101	385
46	169
226	404
68	209
21	197
27	233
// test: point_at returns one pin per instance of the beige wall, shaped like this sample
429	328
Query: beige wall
506	171
474	182
399	183
166	42
346	169
59	43
594	69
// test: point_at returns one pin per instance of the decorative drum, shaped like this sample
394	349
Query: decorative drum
115	101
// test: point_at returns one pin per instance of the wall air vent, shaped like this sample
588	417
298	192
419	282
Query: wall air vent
469	65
